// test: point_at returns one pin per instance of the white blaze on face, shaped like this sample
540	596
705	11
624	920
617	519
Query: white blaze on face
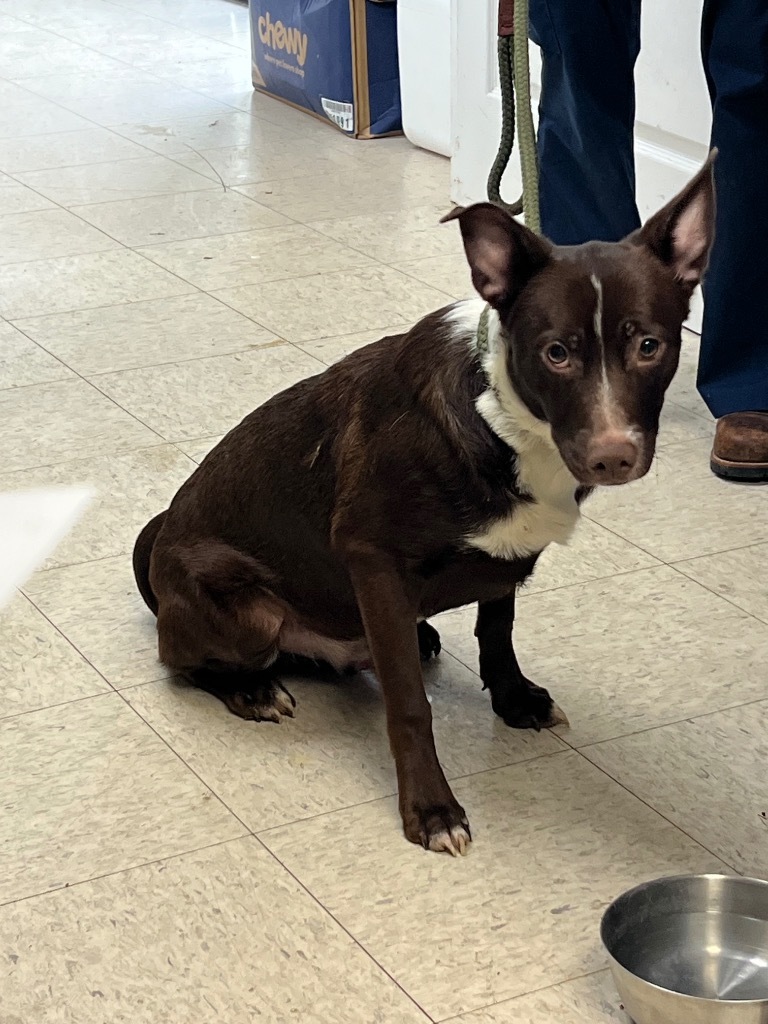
612	416
597	284
605	396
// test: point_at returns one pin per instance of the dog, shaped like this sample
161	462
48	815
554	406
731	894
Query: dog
425	472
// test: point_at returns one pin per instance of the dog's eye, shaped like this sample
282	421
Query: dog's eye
557	354
649	347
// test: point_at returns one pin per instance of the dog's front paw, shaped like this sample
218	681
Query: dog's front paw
529	707
429	641
442	828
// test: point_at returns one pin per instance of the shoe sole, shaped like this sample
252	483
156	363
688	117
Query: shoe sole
747	472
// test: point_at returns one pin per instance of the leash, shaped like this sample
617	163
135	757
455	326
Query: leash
515	83
483	326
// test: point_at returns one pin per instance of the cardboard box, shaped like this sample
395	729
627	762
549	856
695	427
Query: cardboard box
336	59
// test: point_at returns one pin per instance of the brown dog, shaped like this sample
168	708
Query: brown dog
425	472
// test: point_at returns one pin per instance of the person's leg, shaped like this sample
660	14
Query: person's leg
733	368
586	117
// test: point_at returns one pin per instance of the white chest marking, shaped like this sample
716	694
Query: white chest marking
552	514
549	518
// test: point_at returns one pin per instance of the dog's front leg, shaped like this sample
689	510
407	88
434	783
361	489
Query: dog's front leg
431	816
517	700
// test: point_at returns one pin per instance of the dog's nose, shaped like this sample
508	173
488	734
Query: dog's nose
612	458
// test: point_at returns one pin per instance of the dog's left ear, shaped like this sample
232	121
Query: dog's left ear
681	234
502	254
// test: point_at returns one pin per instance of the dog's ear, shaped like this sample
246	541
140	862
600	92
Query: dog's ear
502	254
681	234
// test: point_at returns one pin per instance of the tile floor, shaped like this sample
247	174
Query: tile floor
174	250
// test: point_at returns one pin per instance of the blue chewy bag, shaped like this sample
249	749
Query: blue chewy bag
335	58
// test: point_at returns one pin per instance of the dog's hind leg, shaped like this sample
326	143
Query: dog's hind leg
142	556
219	626
517	700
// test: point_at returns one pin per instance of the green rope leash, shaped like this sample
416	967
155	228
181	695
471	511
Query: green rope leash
515	82
514	71
529	163
483	325
506	145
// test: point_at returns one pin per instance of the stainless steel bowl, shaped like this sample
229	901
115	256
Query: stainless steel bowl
691	950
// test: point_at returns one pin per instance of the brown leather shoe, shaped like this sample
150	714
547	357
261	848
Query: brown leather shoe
740	451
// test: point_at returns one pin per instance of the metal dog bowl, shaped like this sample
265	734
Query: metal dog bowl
691	950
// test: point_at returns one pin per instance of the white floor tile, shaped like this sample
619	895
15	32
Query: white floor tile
69	419
83	282
703	775
154	219
194	938
125	95
49	233
114	180
23	362
67	149
17	198
89	789
144	333
630	652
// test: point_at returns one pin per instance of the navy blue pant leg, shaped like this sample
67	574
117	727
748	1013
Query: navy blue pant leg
733	368
586	117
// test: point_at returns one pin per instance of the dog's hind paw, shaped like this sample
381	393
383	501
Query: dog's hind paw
266	702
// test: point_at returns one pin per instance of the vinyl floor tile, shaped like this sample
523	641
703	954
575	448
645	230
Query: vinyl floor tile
334	753
88	789
37	665
144	333
68	419
191	938
23	362
555	841
129	489
82	282
154	219
701	775
192	399
97	607
345	302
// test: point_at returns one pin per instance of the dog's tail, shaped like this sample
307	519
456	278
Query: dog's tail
142	552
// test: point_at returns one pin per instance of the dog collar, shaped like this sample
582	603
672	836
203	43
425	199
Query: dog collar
483	326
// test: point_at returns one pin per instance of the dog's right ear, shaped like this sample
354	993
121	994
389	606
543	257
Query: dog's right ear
503	255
